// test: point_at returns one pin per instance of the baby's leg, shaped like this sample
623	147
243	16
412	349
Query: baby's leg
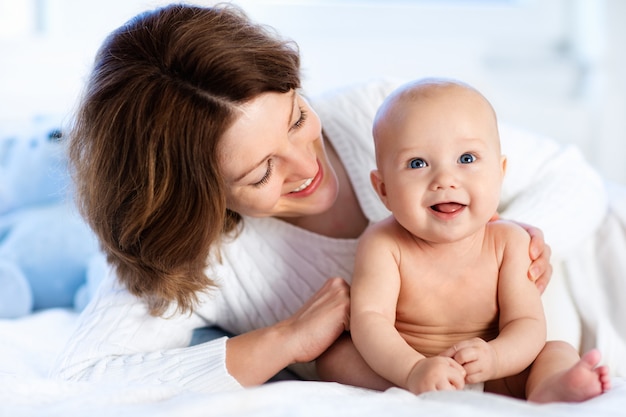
560	375
343	363
510	386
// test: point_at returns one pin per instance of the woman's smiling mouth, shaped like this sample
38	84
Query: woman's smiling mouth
309	186
304	185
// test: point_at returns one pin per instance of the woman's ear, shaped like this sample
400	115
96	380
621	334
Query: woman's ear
379	186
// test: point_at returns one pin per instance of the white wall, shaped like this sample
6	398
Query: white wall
553	66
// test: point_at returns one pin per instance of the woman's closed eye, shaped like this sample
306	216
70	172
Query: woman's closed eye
266	176
300	122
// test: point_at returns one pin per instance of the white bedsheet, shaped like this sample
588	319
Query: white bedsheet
28	346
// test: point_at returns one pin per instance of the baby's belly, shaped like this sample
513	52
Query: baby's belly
432	340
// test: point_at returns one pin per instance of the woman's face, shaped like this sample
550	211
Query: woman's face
273	159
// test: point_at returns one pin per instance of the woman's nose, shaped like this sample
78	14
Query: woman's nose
302	160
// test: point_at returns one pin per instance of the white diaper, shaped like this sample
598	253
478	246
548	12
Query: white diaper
479	386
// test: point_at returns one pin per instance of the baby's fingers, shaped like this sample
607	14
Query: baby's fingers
450	352
453	379
460	352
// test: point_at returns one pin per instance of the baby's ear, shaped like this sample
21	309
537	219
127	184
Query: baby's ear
379	185
503	163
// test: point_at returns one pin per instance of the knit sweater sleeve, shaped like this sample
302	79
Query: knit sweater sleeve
118	340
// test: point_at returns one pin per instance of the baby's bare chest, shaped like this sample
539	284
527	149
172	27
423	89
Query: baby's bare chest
448	301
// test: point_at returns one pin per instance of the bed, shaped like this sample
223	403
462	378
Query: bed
589	290
28	345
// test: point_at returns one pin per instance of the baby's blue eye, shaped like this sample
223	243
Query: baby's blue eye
467	158
417	163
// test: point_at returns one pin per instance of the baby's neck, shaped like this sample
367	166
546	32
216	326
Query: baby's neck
469	246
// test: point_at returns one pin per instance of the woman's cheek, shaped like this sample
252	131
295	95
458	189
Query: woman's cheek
262	202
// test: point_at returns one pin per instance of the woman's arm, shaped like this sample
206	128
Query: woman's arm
254	357
118	340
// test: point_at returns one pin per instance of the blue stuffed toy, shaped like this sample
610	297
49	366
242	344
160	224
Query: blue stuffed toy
46	248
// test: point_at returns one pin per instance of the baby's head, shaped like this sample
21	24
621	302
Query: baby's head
438	147
423	105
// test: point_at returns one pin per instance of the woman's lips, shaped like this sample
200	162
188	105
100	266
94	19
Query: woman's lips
309	186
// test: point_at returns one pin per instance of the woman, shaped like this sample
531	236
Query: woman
218	200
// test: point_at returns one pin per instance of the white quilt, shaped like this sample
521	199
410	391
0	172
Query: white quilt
594	277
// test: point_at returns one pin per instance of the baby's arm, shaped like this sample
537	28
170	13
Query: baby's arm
522	327
374	295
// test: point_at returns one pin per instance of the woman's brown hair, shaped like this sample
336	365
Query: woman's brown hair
143	145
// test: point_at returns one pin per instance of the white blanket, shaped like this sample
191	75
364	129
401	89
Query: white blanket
29	344
596	277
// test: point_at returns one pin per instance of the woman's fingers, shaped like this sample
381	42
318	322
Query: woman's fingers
322	319
540	270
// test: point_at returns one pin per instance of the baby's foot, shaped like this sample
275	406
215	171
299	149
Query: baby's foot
581	382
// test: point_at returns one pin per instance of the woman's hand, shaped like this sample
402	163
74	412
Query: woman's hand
319	322
540	270
253	358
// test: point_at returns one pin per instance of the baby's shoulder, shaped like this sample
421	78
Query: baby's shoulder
387	227
507	231
385	231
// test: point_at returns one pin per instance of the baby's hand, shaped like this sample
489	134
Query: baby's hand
436	374
477	358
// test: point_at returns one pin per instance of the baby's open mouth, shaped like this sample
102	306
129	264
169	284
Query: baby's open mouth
447	207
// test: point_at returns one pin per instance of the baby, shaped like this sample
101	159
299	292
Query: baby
440	297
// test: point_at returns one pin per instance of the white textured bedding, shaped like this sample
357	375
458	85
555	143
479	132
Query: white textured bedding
28	345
